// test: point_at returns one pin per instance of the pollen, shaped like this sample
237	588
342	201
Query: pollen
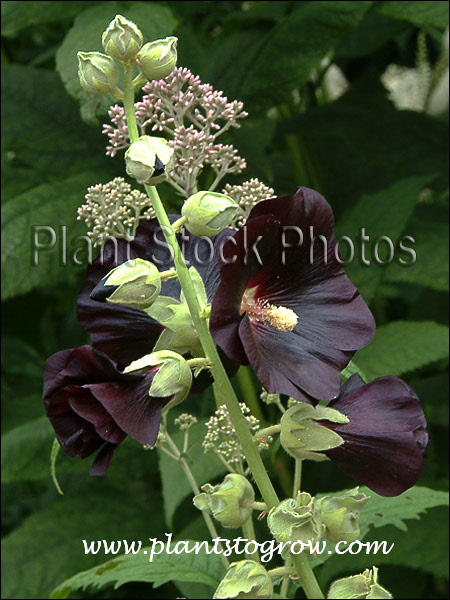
279	317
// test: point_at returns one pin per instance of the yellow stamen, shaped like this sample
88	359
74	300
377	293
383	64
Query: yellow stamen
279	317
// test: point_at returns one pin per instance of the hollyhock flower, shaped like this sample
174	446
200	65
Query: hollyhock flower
385	438
93	406
125	333
284	304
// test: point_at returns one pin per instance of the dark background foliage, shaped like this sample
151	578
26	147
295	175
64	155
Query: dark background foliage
372	162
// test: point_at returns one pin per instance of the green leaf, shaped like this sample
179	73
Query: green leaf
403	346
42	137
428	224
48	546
19	15
429	15
251	64
45	215
153	20
165	567
385	213
205	468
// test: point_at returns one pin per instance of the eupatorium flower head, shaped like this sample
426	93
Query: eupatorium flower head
284	304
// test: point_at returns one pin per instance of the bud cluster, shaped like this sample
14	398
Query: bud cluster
246	195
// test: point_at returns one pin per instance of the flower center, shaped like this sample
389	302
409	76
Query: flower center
278	317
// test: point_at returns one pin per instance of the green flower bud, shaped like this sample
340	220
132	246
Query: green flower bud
207	213
340	515
158	59
245	579
135	283
149	159
122	39
98	72
173	378
302	437
229	501
359	586
296	520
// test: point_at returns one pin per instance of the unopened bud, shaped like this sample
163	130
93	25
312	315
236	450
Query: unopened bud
302	437
135	283
122	39
296	520
245	579
363	586
149	159
158	59
98	72
173	376
207	213
229	502
340	515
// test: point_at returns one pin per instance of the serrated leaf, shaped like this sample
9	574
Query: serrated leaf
403	346
251	64
205	468
48	546
155	21
385	213
165	567
44	215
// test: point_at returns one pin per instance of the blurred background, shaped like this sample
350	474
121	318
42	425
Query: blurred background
350	98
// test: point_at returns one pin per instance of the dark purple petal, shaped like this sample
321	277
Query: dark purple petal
385	439
103	459
131	407
267	257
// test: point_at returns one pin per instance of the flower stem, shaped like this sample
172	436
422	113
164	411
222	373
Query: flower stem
223	385
248	530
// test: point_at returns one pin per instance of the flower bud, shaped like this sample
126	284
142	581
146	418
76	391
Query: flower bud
302	437
245	579
359	586
158	59
173	377
229	501
296	520
149	159
207	213
122	39
98	72
340	515
135	283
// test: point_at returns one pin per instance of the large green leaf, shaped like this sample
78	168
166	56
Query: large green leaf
164	567
425	14
44	216
257	65
19	15
155	22
385	213
361	144
429	228
42	137
403	346
48	546
205	468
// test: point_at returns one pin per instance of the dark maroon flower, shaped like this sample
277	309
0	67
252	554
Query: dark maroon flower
284	304
125	333
385	439
92	405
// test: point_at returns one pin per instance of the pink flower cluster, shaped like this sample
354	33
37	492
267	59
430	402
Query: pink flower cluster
246	196
192	115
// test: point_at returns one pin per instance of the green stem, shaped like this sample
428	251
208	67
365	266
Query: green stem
281	572
223	385
249	393
263	433
248	529
297	477
307	578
